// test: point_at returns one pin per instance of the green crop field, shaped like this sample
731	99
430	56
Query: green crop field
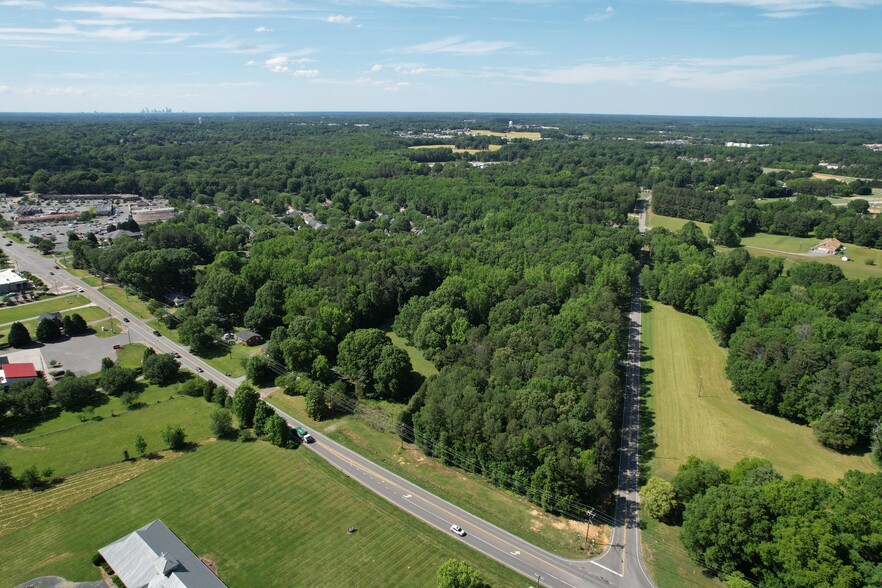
696	413
509	511
265	516
34	309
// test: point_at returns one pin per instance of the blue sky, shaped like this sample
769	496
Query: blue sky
682	57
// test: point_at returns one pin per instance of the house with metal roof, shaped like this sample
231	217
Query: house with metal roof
154	557
10	373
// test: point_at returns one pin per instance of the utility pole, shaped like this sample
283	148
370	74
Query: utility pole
590	514
539	579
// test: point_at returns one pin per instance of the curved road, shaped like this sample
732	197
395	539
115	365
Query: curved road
621	564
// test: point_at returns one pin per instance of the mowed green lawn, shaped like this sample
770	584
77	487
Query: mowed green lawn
34	309
696	413
131	303
66	444
265	516
504	509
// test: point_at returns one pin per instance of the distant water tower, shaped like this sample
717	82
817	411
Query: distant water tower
510	123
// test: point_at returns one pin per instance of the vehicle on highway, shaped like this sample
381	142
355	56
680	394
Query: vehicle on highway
55	267
157	333
304	435
125	319
458	530
199	370
51	273
177	355
80	289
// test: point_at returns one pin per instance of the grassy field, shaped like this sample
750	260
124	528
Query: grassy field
131	355
59	442
669	564
265	516
133	304
89	314
789	248
696	413
33	309
509	511
418	361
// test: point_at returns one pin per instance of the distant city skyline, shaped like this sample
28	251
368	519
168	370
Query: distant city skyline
817	58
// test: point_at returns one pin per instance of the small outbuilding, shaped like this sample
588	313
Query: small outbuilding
154	557
248	338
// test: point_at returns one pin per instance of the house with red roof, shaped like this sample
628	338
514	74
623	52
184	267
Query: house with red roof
10	373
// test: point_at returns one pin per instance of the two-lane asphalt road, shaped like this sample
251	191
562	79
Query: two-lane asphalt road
620	566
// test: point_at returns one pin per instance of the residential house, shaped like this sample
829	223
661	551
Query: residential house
831	246
248	338
154	557
175	299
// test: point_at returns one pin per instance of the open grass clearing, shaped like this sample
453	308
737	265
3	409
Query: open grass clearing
696	413
23	508
107	328
131	303
418	361
34	309
262	514
130	356
504	509
89	313
67	445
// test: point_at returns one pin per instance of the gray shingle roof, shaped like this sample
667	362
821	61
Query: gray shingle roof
154	557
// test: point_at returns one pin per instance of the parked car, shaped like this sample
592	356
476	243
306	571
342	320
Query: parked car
458	530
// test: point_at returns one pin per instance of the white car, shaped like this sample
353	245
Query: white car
80	289
458	530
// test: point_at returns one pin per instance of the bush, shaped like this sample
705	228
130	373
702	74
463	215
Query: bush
222	423
658	498
97	559
174	437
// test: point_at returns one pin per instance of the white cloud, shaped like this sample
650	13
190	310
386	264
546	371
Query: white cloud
458	46
263	30
69	33
282	64
176	9
599	16
791	8
396	87
234	46
23	3
4	89
250	63
339	19
739	73
376	67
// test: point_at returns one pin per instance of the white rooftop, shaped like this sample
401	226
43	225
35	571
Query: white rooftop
9	276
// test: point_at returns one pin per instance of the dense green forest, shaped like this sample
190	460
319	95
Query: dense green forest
803	344
752	527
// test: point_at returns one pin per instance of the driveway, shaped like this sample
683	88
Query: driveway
59	582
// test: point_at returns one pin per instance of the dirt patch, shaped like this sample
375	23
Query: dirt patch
210	564
264	392
330	429
16	444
